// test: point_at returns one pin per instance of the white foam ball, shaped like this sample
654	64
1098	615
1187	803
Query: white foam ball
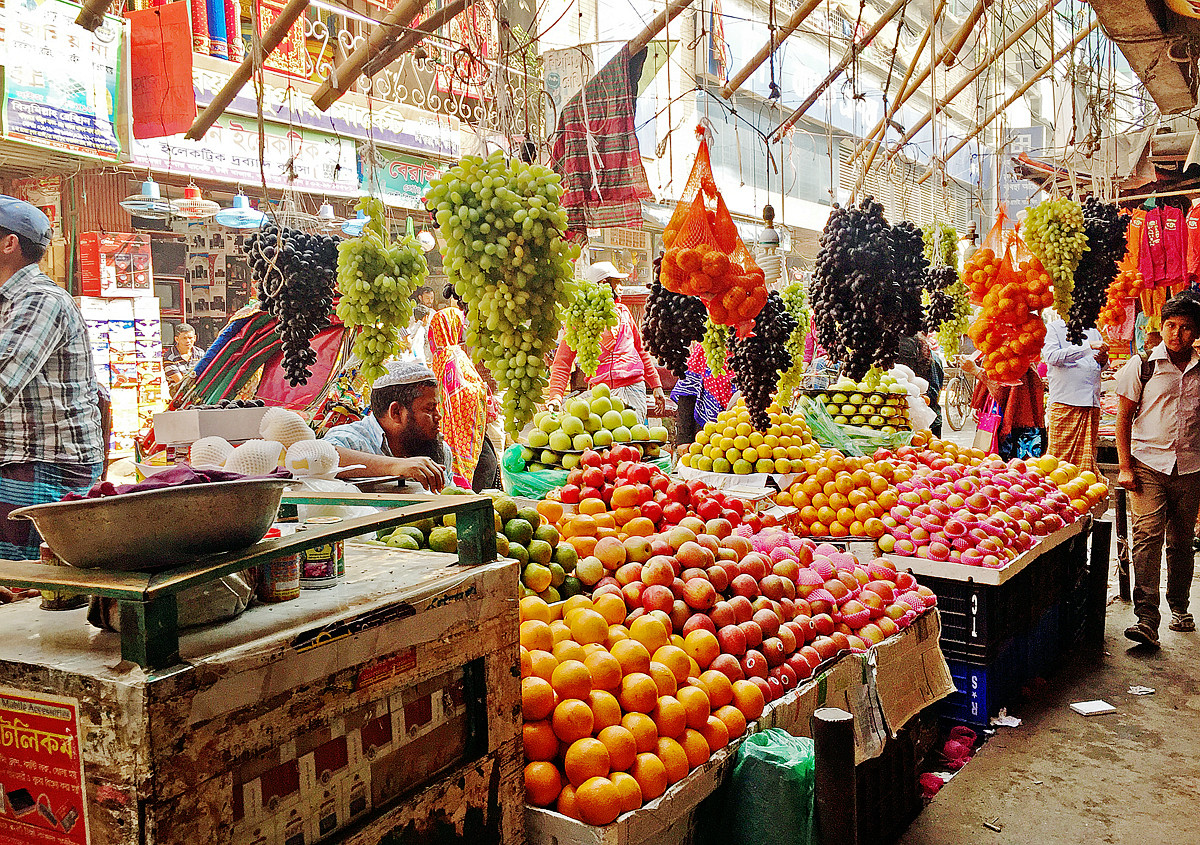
255	457
311	458
210	452
284	426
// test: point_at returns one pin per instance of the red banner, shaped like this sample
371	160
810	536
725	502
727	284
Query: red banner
164	102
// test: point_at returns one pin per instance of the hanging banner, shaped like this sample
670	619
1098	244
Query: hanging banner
297	158
62	84
41	769
164	102
400	181
291	56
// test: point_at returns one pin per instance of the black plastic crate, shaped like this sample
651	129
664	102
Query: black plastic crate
983	688
978	619
887	792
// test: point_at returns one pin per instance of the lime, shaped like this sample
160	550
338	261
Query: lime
547	534
531	516
557	576
518	531
518	553
540	552
403	541
566	557
571	586
550	595
443	540
506	507
501	545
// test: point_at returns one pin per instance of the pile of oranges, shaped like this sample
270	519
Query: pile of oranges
1128	285
733	294
1008	330
615	715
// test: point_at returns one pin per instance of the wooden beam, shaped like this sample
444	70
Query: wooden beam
1016	95
778	37
415	36
271	39
657	24
1012	39
894	104
956	43
92	14
347	72
850	55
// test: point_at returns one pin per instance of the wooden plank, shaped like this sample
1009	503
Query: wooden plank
98	582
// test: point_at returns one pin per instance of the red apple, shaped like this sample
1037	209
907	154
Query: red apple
745	585
767	621
823	624
657	597
698	622
732	640
754	664
719	577
679	613
729	666
772	649
633	594
722	614
753	633
743	611
699	593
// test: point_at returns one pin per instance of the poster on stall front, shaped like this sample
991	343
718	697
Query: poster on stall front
62	84
41	770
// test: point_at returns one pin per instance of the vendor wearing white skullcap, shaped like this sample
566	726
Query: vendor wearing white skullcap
400	434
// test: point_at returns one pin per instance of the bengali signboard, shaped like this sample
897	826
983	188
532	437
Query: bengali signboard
63	85
400	180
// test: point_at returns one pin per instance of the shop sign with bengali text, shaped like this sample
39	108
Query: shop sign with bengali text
41	770
292	158
64	87
400	180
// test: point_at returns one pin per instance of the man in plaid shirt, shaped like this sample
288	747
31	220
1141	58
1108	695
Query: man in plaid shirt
51	440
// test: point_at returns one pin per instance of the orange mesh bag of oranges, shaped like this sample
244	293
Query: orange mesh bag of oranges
1011	291
1118	305
705	256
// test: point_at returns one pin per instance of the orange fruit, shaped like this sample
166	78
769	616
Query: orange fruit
598	800
629	790
650	632
695	746
735	721
566	803
617	633
583	545
651	774
586	758
542	783
670	717
639	693
539	740
574	603
568	650
572	720
550	510
571	679
534	608
605	709
606	670
715	734
537	635
580	525
542	663
591	507
675	659
587	626
560	631
612	608
639	526
674	758
621	745
526	663
701	646
664	679
632	655
696	704
537	698
718	687
644	731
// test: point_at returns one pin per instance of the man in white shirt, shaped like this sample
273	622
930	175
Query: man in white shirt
1158	446
1073	371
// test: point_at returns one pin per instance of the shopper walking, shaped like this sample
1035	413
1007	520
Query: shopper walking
1158	447
51	431
1073	372
625	366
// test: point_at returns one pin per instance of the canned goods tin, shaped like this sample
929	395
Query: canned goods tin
57	599
323	565
279	580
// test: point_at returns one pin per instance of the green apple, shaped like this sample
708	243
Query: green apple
526	454
840	420
639	432
578	408
600	405
617	404
549	457
593	423
621	434
600	390
875	420
629	418
857	419
582	441
560	440
602	438
549	423
659	432
572	425
570	461
612	420
538	439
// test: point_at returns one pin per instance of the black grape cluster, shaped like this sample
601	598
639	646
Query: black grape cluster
1104	226
866	289
939	301
295	273
759	359
672	322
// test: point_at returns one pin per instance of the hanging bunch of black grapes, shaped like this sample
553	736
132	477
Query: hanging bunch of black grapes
295	274
759	359
866	288
939	300
1104	226
672	322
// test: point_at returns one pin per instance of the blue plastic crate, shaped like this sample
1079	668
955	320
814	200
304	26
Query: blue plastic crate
983	688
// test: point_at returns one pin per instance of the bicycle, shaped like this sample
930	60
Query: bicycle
957	394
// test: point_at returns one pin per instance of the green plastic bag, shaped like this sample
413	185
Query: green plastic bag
535	485
770	797
848	439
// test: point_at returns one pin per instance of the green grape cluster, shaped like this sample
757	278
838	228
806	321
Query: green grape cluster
951	330
590	311
506	256
376	277
716	345
796	301
1054	232
946	238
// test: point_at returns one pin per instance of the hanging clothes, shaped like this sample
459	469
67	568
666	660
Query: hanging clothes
1192	225
1174	244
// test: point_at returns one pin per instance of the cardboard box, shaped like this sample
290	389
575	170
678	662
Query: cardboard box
910	671
187	426
115	264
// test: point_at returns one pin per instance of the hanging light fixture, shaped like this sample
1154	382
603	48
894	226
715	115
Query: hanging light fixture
354	227
769	260
240	215
148	203
327	219
289	216
193	206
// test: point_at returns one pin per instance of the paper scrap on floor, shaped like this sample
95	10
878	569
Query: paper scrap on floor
1138	689
1093	708
1003	720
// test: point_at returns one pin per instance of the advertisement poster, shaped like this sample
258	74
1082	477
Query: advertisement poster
62	84
46	193
41	771
401	180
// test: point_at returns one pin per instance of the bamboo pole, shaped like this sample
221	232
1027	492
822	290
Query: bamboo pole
271	39
850	55
657	24
777	38
92	14
415	36
1016	36
347	72
955	44
1016	95
894	105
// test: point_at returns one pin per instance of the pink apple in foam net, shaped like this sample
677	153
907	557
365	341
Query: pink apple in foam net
887	543
901	533
939	551
900	512
956	501
979	502
919	535
972	557
911	498
991	562
940	508
905	547
955	528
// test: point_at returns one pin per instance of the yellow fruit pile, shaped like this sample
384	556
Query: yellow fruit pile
730	443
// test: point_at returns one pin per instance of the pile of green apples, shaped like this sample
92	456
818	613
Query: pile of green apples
594	419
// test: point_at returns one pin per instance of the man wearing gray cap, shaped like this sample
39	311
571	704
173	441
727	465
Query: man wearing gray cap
51	441
400	435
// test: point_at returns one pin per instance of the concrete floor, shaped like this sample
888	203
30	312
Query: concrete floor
1127	777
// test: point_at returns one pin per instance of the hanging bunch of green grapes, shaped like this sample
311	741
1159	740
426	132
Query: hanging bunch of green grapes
716	345
590	312
951	330
796	301
376	277
941	245
1054	232
506	256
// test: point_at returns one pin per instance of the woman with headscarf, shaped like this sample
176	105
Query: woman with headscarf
463	402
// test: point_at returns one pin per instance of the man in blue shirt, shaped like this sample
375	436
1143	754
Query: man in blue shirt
401	433
1073	372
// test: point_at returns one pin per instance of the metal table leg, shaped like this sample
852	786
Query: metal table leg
1123	545
1097	589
